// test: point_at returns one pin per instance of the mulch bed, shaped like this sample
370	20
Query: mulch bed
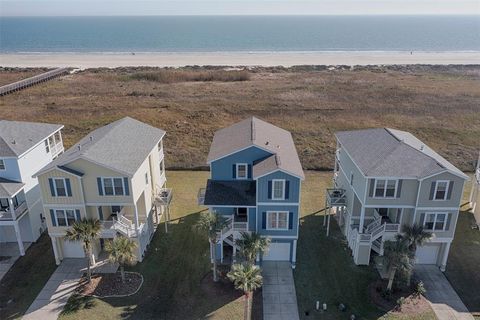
412	305
110	284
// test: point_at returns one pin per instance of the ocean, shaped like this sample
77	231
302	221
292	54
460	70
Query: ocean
238	34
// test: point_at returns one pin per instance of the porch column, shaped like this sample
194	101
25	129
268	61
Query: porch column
294	253
362	218
136	219
12	208
443	266
19	239
55	249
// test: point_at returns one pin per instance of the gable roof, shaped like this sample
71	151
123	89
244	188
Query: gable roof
8	188
388	152
17	137
121	146
261	134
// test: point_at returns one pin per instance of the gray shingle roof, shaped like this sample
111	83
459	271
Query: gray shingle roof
230	193
387	152
256	132
121	146
9	187
17	137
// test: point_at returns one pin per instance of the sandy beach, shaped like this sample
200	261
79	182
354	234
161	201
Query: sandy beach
111	60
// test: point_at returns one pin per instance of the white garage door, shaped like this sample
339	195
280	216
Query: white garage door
278	252
427	254
72	249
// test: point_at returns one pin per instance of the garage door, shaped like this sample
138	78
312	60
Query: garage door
427	254
72	249
278	252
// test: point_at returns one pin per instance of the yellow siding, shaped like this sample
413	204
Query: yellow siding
76	197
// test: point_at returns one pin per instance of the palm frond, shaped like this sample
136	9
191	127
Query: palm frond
245	277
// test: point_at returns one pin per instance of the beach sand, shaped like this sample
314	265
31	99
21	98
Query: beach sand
236	59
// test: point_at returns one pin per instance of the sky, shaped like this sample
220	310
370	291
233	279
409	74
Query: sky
234	7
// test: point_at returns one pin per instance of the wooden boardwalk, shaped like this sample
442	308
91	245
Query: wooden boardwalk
25	83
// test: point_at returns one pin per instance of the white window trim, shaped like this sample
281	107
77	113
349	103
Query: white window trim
113	186
436	214
4	165
277	215
385	189
246	171
65	216
273	189
54	180
447	189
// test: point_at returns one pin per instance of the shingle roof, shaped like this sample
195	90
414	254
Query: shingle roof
121	146
256	132
17	137
8	188
387	152
230	193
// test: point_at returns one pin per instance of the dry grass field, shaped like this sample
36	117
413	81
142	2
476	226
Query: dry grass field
441	105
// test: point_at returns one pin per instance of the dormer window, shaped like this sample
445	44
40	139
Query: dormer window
242	171
2	164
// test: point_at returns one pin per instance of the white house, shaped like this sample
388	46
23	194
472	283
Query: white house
25	147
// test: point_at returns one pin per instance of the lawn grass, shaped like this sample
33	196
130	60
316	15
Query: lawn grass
24	281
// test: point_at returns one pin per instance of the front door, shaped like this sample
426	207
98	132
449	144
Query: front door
241	215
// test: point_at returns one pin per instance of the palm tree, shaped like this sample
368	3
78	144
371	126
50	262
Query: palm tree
213	223
86	231
246	277
121	250
251	245
398	258
415	236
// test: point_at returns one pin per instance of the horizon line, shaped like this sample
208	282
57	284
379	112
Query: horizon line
247	15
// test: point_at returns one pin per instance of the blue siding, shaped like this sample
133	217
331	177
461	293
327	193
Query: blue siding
224	210
273	233
222	169
293	182
252	219
12	171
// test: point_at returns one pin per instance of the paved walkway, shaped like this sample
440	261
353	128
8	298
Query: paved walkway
50	301
279	297
442	297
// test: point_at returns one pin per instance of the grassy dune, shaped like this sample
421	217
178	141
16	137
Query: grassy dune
441	105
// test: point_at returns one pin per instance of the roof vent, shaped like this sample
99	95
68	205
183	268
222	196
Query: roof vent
14	142
91	138
79	147
422	147
278	146
267	143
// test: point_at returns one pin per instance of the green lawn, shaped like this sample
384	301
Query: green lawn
26	278
177	261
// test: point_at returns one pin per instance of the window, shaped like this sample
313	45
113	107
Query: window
60	187
65	218
441	190
278	189
47	147
385	188
242	169
242	212
146	177
435	221
113	186
277	220
4	206
2	164
160	146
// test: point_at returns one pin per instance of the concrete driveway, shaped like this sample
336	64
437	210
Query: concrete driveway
50	301
445	302
279	297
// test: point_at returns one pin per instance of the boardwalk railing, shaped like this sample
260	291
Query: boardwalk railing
25	83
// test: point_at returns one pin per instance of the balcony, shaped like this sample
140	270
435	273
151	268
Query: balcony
6	214
336	197
163	196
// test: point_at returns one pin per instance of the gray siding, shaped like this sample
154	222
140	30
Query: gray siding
408	194
456	196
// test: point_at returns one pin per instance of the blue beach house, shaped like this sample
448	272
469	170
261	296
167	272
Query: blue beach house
255	181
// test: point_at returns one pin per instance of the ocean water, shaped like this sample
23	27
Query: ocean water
239	33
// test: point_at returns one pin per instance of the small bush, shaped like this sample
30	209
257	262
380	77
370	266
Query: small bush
420	289
400	303
171	76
